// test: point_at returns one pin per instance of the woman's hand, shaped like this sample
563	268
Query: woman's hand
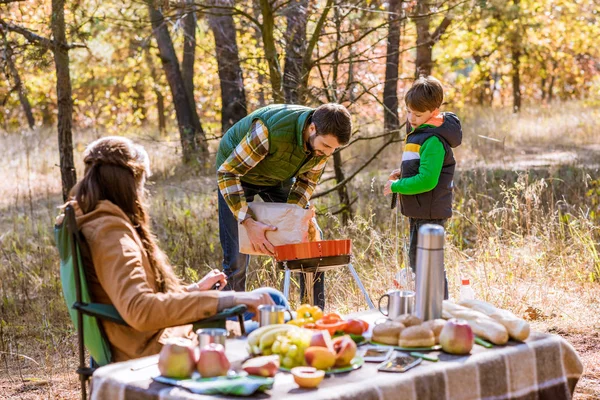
214	276
252	300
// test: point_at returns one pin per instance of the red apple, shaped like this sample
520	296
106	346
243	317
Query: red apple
213	361
345	350
321	339
457	337
177	359
262	366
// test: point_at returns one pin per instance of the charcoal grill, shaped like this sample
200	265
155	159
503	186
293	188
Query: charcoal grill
309	258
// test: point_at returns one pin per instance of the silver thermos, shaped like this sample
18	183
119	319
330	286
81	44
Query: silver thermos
430	272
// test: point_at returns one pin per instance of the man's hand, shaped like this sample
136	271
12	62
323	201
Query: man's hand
252	300
387	189
257	236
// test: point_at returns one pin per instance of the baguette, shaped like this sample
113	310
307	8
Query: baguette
517	328
482	325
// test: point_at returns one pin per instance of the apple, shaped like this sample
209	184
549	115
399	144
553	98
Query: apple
213	361
457	337
322	339
266	366
319	357
177	358
307	377
345	350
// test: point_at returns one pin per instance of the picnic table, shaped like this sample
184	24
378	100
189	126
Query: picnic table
543	367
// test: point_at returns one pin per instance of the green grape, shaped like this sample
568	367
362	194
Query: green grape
267	352
283	349
287	362
292	351
276	348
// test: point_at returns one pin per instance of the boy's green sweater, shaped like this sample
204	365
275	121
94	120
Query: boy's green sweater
432	155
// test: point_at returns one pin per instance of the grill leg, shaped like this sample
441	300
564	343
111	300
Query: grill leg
309	287
362	288
286	283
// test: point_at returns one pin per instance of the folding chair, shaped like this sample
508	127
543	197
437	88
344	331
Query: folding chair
85	313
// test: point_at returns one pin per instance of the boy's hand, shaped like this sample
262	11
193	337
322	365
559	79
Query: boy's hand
395	174
387	189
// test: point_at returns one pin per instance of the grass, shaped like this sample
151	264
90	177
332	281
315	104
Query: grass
526	230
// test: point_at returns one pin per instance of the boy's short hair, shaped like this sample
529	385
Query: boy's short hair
426	94
333	119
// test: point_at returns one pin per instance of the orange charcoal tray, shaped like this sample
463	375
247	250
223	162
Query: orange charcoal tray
320	249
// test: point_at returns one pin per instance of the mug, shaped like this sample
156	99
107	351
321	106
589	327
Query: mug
399	302
270	315
211	335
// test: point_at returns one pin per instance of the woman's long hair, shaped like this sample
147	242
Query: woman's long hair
115	170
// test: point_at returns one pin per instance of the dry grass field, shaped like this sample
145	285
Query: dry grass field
526	230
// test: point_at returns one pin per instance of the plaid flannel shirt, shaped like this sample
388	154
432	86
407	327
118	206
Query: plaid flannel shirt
252	150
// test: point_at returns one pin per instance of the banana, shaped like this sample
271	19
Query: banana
267	340
255	336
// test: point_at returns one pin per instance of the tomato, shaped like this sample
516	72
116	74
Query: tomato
332	326
331	317
365	325
354	326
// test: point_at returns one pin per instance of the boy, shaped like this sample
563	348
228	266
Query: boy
425	184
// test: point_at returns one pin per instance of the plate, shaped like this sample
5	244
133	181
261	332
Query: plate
430	348
356	363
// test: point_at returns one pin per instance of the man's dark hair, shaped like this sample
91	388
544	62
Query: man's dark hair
333	119
426	94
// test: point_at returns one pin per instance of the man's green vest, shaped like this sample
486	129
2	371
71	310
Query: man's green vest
287	157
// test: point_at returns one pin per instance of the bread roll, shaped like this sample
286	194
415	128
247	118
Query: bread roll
436	326
408	320
517	328
482	325
387	333
416	336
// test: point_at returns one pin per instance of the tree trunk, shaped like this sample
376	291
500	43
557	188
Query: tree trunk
515	52
193	139
391	119
423	62
189	55
160	98
233	95
14	72
65	100
294	52
343	193
426	39
552	80
271	51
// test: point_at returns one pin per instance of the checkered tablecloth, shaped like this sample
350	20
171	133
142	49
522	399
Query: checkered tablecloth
543	367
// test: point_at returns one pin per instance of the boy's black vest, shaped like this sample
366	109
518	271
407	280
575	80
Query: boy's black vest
437	203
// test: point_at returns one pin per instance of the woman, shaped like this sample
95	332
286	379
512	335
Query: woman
130	271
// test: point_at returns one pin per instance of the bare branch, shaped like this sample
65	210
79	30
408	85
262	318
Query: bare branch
349	178
36	39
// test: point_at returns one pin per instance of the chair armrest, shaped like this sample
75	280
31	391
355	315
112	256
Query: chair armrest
227	313
103	311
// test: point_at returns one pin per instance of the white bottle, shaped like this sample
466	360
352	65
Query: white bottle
466	291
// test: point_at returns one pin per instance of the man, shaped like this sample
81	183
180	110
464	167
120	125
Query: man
278	152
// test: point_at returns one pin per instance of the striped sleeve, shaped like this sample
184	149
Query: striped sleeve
431	154
305	184
251	150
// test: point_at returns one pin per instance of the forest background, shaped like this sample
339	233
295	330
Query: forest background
523	76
